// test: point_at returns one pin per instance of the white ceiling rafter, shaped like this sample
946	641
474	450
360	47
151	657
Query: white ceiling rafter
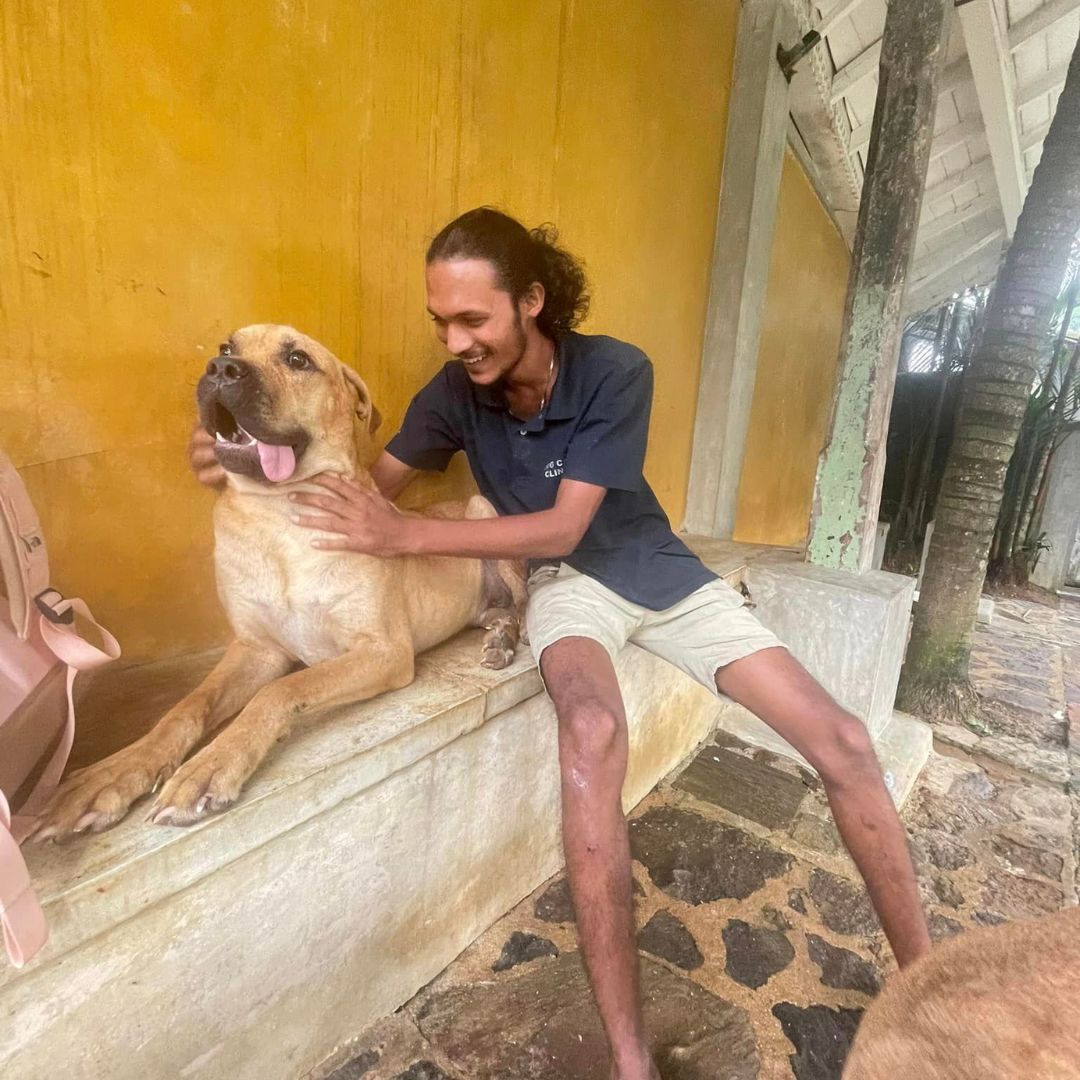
1034	136
955	136
980	269
932	228
996	94
991	68
838	12
980	170
941	262
863	67
1051	80
1042	18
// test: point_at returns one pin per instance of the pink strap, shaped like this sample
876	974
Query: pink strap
21	917
24	562
79	655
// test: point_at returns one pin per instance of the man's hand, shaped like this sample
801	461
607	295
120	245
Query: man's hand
201	458
362	519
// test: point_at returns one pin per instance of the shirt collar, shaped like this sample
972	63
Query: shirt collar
562	404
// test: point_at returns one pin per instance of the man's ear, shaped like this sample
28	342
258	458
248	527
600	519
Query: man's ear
533	301
365	407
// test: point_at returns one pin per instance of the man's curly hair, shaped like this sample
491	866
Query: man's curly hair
521	257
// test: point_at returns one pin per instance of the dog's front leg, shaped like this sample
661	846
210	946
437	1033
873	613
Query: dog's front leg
101	794
212	779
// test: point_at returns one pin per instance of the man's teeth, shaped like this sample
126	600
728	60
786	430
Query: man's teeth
470	360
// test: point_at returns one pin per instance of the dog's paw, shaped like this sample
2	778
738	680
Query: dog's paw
497	657
210	781
97	797
500	643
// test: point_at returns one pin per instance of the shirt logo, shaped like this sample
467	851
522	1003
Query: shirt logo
553	469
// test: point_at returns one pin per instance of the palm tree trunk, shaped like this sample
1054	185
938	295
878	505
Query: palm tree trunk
994	396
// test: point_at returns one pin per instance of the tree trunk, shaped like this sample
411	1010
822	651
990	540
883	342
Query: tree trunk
994	397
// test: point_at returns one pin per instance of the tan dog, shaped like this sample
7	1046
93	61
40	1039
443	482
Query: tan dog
284	409
1002	1003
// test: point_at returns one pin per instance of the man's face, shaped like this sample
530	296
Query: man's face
477	321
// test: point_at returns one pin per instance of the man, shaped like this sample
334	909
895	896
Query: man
554	425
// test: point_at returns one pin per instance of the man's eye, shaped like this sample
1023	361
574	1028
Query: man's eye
475	323
298	360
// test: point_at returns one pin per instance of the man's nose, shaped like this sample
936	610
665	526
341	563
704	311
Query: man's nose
228	369
458	341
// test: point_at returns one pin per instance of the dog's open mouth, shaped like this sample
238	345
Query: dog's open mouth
235	444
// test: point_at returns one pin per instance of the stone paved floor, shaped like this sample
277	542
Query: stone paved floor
759	947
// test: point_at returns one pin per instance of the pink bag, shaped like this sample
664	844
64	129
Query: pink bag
40	653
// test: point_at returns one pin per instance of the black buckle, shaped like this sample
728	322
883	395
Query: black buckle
57	618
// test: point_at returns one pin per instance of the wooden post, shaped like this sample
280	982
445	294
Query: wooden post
848	489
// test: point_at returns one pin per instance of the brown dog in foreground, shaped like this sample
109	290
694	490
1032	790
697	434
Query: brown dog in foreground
1001	1003
283	409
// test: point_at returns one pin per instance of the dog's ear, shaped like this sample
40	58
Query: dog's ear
365	407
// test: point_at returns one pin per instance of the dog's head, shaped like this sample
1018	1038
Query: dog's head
281	407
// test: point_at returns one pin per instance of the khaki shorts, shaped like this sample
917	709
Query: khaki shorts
701	633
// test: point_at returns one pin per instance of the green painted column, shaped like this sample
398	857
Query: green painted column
847	492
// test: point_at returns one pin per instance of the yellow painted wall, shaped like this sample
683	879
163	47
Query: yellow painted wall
171	171
800	336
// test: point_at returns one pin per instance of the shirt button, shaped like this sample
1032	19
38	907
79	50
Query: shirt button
524	431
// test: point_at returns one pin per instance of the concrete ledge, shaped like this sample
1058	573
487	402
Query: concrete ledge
849	630
366	854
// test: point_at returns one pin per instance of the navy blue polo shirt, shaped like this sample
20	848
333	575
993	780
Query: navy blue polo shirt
595	429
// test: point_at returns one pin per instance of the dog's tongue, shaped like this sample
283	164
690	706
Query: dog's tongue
278	462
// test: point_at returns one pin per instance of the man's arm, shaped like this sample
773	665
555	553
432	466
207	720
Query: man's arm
391	476
364	521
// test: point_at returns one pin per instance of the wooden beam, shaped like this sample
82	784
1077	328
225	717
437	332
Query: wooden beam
854	72
980	170
1046	82
991	68
934	227
1039	20
837	12
847	492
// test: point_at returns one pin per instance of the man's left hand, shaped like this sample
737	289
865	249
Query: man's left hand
361	519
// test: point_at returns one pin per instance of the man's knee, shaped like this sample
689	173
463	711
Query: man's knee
590	731
843	751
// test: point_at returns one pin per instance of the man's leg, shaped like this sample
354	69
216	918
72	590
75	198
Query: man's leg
772	684
593	747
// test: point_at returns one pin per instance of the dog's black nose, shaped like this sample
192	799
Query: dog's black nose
228	369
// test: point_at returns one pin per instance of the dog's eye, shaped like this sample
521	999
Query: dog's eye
298	360
224	349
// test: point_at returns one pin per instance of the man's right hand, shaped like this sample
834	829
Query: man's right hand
204	464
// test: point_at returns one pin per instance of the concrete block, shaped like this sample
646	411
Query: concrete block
365	855
849	630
